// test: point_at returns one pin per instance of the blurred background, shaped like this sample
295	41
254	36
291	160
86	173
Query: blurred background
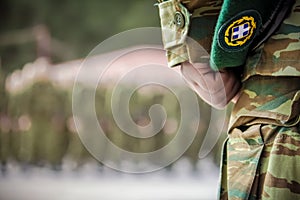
41	42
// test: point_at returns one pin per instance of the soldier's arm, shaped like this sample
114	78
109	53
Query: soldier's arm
215	88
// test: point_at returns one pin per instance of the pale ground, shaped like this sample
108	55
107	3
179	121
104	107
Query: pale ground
91	183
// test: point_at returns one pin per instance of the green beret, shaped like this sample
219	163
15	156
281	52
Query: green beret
243	25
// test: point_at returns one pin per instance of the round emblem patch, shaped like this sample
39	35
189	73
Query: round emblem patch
239	32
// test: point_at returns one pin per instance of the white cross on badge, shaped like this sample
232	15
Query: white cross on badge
240	31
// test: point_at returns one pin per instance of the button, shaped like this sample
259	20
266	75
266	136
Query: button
179	19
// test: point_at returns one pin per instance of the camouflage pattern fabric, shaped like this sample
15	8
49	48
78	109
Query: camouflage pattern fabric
175	20
204	16
279	57
261	157
174	33
262	162
262	153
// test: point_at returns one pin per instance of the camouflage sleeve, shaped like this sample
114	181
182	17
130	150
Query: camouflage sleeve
186	23
174	18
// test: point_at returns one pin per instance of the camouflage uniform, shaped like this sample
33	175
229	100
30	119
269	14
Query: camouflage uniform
261	157
262	154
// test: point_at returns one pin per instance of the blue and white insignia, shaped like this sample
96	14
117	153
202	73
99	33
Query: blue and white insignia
239	32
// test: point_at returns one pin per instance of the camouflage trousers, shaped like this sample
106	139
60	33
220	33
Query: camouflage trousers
262	161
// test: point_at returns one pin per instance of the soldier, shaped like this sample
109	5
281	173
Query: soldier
254	60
